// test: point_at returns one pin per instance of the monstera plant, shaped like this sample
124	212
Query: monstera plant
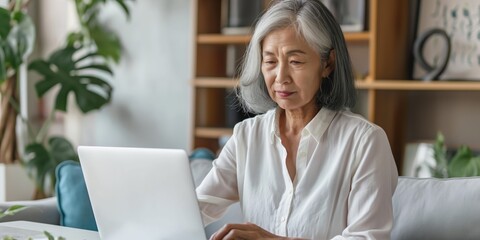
81	67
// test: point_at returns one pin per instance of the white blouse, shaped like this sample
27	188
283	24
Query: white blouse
343	188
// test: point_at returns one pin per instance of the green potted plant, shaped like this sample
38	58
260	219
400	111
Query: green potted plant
81	67
462	164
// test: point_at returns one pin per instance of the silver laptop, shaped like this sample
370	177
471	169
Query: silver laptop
141	193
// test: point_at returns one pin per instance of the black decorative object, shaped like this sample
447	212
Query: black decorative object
433	72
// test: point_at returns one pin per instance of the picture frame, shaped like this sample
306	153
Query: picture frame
461	21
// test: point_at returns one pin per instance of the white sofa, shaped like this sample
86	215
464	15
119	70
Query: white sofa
429	208
440	209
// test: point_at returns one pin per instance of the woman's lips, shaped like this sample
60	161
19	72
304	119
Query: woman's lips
283	94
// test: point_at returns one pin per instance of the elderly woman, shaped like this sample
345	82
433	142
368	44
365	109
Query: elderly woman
305	167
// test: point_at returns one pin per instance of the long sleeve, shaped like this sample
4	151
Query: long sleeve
370	213
219	188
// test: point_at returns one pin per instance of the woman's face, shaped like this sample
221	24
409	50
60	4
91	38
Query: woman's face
292	69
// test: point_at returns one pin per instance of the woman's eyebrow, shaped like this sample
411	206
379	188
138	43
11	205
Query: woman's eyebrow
267	53
290	52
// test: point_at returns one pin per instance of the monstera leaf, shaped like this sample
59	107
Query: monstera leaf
42	159
17	36
108	44
80	75
4	23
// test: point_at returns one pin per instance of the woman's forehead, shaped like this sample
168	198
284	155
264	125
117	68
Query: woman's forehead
287	38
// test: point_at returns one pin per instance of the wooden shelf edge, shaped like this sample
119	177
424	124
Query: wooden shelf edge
404	85
222	39
419	85
215	38
215	82
206	132
357	36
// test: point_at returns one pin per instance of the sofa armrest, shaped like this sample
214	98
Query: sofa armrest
42	211
440	209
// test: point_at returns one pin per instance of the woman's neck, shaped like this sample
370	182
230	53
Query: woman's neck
292	122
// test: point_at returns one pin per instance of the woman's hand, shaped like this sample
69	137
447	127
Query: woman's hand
245	231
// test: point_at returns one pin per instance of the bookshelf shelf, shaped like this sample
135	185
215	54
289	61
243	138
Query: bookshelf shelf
222	39
244	39
206	132
415	85
215	82
407	85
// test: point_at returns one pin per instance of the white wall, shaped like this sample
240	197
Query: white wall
152	93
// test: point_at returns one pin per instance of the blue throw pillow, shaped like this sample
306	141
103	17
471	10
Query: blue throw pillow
72	196
203	153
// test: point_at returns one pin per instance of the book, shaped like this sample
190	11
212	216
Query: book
238	16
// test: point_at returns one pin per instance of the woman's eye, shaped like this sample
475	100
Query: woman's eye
295	62
269	62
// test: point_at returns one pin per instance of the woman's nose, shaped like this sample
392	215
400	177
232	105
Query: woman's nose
282	76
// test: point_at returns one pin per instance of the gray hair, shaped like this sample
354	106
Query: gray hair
317	25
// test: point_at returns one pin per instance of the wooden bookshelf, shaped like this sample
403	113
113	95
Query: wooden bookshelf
387	87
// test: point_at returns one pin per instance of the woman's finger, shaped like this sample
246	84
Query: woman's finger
245	231
240	234
222	232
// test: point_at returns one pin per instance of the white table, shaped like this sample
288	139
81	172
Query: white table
55	230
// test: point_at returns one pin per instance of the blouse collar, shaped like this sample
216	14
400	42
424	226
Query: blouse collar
316	127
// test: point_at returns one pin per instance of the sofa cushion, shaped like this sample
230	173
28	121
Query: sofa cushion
72	196
430	208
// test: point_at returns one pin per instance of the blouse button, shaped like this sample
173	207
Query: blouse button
283	219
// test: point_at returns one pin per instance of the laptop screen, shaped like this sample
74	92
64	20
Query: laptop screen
141	193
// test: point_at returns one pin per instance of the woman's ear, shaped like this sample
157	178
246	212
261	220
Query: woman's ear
330	64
